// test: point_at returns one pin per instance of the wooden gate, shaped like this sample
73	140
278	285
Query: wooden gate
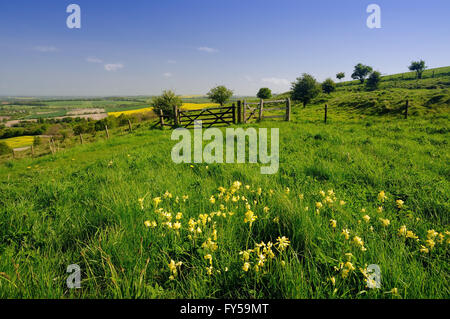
210	116
256	110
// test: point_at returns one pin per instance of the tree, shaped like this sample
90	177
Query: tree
328	86
305	88
361	72
373	80
340	75
264	93
220	94
418	67
166	102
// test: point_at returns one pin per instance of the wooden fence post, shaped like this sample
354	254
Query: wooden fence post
106	130
239	111
406	109
288	109
50	145
13	154
175	115
234	113
129	126
261	106
161	118
244	112
32	150
81	138
326	111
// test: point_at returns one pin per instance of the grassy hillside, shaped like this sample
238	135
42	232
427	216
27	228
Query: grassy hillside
366	188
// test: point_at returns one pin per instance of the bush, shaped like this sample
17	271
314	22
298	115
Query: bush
328	86
4	149
373	81
166	102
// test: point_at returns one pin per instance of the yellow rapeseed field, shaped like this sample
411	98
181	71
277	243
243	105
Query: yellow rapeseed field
185	106
19	141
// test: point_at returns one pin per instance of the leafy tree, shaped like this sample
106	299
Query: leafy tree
418	67
328	86
373	81
361	72
264	93
340	75
220	94
166	102
4	149
305	88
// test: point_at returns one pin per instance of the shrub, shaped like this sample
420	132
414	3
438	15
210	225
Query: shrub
4	149
328	86
373	81
166	102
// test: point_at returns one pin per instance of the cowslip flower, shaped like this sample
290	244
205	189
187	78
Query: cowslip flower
424	249
157	200
250	217
402	231
366	218
410	234
382	196
246	266
333	223
399	203
282	242
430	243
346	233
431	234
385	222
209	258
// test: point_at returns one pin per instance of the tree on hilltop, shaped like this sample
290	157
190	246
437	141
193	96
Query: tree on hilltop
418	67
361	72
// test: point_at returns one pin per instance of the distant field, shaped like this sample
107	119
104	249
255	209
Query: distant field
20	141
186	106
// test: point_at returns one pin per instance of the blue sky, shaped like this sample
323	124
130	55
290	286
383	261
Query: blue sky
142	47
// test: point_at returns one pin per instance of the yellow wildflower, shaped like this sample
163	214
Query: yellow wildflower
250	217
283	242
333	223
385	222
246	266
382	196
399	203
157	200
346	233
366	218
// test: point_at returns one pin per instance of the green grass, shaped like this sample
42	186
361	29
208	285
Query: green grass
81	206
